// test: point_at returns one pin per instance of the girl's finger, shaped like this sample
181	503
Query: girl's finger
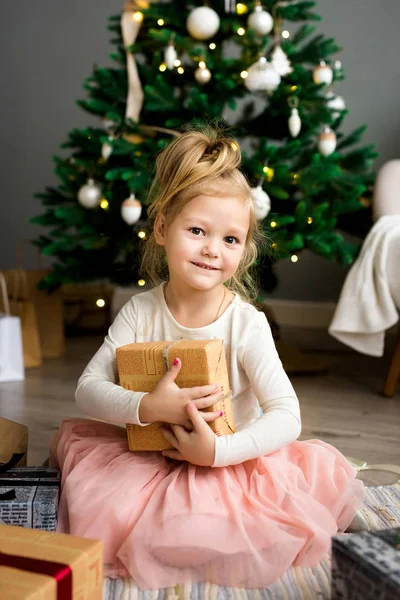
200	391
173	454
196	417
211	416
208	400
169	436
179	433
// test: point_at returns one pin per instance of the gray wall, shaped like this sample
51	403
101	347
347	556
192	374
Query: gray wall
49	47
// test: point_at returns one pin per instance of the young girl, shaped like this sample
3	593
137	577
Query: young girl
236	510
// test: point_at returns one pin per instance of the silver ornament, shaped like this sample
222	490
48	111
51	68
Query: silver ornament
106	149
131	209
294	123
202	74
327	141
202	23
261	202
89	195
170	56
260	21
280	61
262	77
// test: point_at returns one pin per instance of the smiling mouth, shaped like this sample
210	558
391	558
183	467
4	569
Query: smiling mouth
205	267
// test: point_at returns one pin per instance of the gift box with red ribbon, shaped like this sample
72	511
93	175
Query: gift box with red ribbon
37	564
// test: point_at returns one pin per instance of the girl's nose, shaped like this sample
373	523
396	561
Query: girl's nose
211	249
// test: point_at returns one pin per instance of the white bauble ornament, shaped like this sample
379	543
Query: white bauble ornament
108	124
261	202
170	56
202	74
336	104
323	73
131	209
280	61
202	23
294	123
262	77
89	196
106	149
260	21
327	141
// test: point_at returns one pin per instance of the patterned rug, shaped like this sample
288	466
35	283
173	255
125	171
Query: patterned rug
381	510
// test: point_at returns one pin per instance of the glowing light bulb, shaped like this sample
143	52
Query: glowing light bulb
202	64
285	34
100	303
294	258
138	16
241	31
243	74
104	204
309	220
177	63
273	223
293	88
160	22
241	9
141	282
212	46
163	67
269	173
181	70
142	235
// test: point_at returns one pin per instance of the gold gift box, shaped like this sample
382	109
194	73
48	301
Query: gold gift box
83	556
142	365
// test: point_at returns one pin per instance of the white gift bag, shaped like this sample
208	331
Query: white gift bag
11	352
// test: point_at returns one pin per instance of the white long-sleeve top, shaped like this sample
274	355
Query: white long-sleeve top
256	374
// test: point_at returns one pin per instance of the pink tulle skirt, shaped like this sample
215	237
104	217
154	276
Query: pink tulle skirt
166	522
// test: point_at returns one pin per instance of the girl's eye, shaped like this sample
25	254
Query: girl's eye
231	240
196	230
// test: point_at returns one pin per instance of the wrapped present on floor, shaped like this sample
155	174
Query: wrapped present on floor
29	497
13	443
142	365
38	565
366	565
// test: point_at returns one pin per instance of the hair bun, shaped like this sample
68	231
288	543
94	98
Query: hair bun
224	150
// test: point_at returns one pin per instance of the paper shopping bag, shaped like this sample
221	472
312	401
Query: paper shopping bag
13	442
48	305
11	352
49	314
21	306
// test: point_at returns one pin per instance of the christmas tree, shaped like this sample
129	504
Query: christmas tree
262	70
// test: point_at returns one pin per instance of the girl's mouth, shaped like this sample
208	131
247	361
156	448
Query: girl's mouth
205	266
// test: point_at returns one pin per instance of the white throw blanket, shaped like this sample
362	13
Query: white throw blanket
370	298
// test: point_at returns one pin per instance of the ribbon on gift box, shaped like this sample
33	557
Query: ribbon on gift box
60	572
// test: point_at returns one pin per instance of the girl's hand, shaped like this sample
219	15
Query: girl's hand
197	446
167	402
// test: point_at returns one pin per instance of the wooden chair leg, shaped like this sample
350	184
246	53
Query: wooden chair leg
393	376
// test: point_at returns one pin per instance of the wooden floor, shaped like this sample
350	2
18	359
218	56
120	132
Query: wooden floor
343	407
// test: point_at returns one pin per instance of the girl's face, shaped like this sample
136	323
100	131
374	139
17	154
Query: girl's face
205	242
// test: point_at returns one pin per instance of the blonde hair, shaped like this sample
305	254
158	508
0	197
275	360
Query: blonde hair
200	161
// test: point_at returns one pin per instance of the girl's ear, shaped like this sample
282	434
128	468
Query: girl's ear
160	230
